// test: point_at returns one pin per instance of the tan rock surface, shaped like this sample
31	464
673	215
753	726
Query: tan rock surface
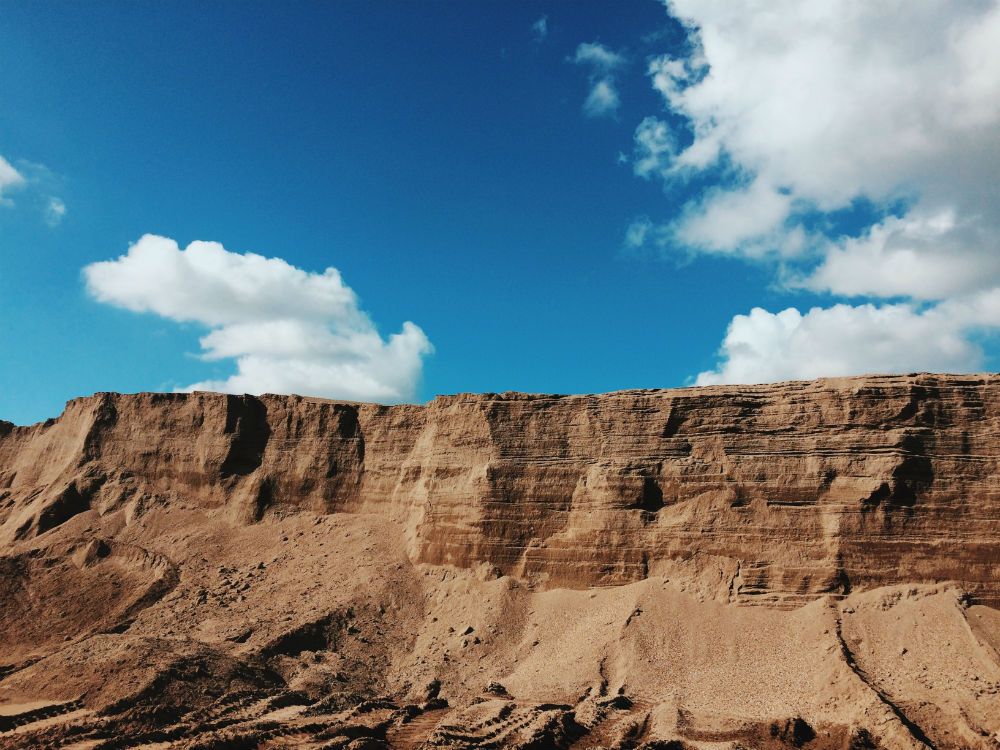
210	571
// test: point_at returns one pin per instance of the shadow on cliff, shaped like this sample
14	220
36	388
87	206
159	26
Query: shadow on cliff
912	476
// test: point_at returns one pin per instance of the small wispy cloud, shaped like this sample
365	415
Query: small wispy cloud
636	233
37	185
540	29
603	98
600	57
55	212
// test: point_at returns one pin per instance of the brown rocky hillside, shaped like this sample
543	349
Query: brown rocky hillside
809	564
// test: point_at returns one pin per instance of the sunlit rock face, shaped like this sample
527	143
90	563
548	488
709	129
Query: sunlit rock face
584	560
784	492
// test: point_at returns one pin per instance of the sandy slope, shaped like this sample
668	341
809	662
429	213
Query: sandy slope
326	611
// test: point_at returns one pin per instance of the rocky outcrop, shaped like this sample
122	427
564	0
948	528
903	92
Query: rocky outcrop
507	570
771	494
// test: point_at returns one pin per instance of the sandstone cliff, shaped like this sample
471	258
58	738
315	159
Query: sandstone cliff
782	493
591	546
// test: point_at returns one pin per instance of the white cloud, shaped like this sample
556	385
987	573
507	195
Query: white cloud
643	237
925	257
636	232
735	220
603	98
289	330
824	102
597	55
796	110
55	212
540	29
655	147
37	183
765	347
9	177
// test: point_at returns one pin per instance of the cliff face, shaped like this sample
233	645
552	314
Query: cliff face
511	571
758	494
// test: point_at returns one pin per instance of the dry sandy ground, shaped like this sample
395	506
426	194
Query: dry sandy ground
171	626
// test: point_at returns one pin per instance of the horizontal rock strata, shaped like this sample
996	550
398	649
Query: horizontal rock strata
771	494
207	572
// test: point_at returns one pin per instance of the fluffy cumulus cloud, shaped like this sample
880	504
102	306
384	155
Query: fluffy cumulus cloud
603	98
818	103
842	340
935	256
794	111
288	330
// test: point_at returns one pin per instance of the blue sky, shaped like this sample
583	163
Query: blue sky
548	197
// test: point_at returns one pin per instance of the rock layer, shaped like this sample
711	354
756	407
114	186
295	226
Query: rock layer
507	570
777	493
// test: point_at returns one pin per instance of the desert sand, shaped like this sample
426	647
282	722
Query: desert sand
809	564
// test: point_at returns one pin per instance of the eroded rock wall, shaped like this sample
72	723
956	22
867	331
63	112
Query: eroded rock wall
770	494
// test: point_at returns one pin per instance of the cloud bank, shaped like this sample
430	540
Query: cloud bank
796	111
766	347
288	330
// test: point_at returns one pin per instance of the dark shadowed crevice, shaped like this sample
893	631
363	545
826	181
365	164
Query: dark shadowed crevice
66	504
913	728
650	497
246	420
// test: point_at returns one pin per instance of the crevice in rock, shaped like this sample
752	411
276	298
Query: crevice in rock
650	497
324	634
848	655
246	421
66	504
